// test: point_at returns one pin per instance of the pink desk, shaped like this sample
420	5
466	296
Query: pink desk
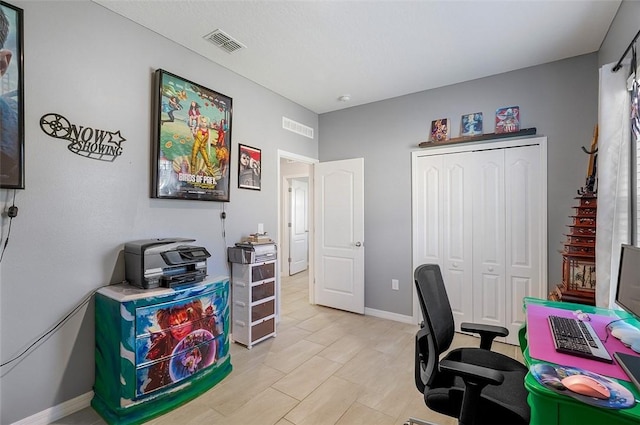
543	349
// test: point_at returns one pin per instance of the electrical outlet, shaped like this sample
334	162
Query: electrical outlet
395	284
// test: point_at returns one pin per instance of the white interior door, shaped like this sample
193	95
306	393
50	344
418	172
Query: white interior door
339	234
298	225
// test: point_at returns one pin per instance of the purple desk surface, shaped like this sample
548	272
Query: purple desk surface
541	342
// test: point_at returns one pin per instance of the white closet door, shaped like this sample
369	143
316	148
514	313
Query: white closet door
479	211
523	205
457	265
427	238
489	238
443	225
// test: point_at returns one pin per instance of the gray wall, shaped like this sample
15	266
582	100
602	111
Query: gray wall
95	68
623	28
559	99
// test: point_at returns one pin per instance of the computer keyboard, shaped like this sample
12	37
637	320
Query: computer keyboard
575	337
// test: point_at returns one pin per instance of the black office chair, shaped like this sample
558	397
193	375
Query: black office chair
476	385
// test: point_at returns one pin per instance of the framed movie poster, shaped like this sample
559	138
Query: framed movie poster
192	136
11	98
249	168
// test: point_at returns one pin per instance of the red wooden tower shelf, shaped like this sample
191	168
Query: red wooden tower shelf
579	255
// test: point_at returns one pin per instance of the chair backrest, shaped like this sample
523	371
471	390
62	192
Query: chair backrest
435	306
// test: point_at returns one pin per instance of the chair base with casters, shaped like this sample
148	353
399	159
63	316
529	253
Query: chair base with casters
475	385
414	421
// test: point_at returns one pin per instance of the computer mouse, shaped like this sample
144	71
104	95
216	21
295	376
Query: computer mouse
585	385
624	332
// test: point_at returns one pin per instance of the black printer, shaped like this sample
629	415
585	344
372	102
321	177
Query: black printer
168	262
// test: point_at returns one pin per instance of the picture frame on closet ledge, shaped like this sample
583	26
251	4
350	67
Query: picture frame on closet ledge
12	98
471	125
440	130
191	140
249	167
508	119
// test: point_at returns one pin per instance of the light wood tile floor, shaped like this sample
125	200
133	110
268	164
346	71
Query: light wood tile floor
324	367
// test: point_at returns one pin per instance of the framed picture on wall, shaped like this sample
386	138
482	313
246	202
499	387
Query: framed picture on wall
11	98
508	119
249	167
440	130
471	125
192	136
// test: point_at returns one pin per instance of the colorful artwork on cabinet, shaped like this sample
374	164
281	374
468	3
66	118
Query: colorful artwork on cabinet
176	340
508	119
192	139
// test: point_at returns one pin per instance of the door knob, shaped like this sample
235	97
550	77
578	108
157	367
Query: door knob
358	244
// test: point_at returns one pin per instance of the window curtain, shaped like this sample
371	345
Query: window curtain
613	217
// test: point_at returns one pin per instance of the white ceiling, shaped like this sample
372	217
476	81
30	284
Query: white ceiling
313	52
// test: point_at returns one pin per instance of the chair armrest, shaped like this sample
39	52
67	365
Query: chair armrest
487	333
475	379
471	373
423	366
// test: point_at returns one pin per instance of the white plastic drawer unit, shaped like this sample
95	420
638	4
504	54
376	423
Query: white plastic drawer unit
253	302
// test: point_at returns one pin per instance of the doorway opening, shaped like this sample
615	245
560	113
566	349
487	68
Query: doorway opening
295	222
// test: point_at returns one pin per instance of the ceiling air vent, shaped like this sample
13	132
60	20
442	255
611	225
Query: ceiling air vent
224	41
296	127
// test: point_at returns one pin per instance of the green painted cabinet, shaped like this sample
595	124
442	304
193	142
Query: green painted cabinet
158	348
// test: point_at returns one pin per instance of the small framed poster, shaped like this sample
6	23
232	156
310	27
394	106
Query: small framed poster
249	167
471	125
440	130
508	119
11	98
192	135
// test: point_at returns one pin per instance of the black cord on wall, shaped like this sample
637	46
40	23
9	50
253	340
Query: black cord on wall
56	327
11	212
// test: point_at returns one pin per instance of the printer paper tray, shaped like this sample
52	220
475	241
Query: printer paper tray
183	279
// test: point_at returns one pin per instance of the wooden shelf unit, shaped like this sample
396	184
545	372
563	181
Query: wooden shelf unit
579	255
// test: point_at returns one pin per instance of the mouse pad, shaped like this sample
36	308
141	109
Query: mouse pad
551	375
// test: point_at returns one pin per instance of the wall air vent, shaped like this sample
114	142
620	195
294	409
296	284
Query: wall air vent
296	127
224	41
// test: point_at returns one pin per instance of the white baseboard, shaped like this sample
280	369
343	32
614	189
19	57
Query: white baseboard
59	411
388	315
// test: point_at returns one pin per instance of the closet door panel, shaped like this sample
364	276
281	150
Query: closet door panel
489	238
457	266
429	223
523	227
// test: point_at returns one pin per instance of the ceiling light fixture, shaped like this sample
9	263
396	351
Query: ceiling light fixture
345	98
